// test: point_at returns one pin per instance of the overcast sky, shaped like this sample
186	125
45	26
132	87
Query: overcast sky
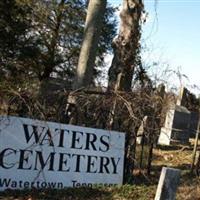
172	33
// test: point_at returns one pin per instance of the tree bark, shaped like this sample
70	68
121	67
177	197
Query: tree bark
84	74
126	46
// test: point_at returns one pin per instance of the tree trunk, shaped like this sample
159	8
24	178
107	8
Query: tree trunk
96	10
126	46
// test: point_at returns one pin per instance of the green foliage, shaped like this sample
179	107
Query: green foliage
42	38
15	23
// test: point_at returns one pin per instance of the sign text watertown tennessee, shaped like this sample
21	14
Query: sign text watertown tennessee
44	154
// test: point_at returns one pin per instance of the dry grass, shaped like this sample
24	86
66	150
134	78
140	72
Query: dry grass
180	157
143	189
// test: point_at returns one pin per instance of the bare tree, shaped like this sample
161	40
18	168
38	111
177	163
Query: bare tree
126	46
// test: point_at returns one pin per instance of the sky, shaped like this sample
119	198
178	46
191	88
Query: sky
172	37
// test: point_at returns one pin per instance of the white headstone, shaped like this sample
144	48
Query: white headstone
141	131
176	127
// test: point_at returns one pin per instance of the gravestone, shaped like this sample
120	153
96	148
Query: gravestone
176	127
183	97
168	184
141	131
193	123
161	90
189	100
177	122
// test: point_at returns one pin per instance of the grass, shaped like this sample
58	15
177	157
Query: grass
143	189
116	193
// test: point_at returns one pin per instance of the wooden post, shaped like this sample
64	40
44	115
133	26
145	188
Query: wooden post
195	145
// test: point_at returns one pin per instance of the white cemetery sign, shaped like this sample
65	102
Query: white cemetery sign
43	154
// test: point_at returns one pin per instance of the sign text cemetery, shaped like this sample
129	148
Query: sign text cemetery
42	154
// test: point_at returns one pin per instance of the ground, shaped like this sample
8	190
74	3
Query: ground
145	188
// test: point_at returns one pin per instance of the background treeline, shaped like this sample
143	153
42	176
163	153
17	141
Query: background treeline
40	39
40	42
